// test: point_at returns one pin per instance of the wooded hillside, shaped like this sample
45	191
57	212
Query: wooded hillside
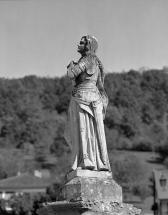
33	112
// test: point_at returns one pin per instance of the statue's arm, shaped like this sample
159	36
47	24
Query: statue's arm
75	69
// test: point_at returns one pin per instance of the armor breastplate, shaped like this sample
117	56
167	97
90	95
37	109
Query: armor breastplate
84	76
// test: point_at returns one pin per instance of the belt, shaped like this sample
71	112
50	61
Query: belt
86	83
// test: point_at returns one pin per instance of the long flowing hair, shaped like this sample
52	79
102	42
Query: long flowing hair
91	48
90	53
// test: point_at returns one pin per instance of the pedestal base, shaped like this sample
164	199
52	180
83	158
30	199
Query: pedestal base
90	188
87	208
88	193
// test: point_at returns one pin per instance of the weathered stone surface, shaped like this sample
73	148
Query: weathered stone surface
88	173
89	196
86	188
87	208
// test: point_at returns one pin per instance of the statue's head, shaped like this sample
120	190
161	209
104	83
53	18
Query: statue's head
88	44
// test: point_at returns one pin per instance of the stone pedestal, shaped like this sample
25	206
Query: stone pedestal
88	193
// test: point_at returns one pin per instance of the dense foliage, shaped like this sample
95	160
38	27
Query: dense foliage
33	112
131	173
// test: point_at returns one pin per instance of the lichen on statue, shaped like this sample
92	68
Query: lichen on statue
84	131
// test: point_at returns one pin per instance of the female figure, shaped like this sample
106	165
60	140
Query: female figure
85	129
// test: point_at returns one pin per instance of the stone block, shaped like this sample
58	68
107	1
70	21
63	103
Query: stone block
87	208
88	193
87	188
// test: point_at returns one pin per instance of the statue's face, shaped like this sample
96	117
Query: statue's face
82	46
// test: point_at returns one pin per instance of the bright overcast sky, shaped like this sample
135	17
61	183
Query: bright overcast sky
40	37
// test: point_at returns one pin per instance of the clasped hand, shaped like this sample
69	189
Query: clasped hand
71	64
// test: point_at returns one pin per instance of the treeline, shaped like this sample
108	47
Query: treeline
33	112
137	115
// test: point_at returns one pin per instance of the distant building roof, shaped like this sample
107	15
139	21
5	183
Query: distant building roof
24	181
161	193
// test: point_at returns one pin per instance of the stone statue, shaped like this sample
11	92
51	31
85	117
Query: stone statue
85	129
90	188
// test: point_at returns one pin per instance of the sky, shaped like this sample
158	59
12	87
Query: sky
40	37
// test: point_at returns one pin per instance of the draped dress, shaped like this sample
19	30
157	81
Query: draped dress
84	131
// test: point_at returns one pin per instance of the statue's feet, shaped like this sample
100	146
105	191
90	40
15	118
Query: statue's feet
87	164
86	167
89	167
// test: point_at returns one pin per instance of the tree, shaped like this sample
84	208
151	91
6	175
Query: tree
129	172
163	150
26	204
142	190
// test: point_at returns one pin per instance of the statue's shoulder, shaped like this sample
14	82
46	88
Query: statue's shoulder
89	63
83	60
